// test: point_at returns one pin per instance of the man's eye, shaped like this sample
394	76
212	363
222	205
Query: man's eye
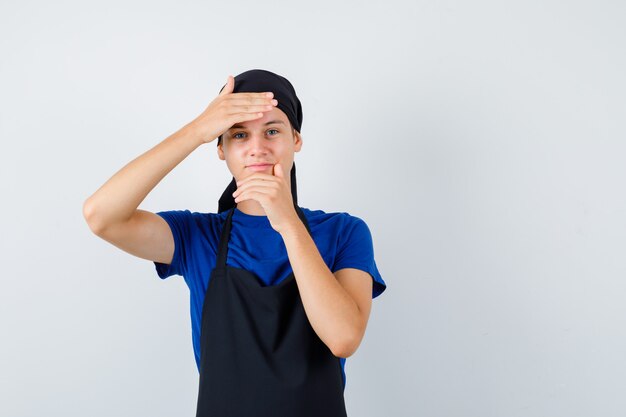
241	135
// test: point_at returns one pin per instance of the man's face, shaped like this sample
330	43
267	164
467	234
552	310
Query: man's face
269	140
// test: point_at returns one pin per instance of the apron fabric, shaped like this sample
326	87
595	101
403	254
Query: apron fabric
260	357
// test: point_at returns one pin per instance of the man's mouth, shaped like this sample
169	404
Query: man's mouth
257	167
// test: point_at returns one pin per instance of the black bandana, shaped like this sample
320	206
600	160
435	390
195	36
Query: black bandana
259	81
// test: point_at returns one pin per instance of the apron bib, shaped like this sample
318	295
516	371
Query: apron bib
259	355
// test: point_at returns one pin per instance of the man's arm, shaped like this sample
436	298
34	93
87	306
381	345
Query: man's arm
112	211
337	305
115	202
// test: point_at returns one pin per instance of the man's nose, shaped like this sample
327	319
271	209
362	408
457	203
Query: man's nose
257	143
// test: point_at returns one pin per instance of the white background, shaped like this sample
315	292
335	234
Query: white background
483	143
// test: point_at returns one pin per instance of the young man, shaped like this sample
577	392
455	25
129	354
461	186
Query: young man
280	294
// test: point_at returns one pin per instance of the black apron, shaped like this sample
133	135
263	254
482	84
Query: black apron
259	355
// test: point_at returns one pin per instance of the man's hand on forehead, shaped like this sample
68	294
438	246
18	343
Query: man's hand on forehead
228	109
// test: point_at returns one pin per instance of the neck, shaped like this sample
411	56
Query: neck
251	207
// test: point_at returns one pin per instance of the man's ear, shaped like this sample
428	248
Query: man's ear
297	141
220	151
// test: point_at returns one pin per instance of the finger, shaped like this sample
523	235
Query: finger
260	184
239	101
249	109
264	186
267	94
243	117
278	170
256	175
229	87
251	195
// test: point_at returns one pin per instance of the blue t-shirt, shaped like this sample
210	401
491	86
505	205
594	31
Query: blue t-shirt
344	241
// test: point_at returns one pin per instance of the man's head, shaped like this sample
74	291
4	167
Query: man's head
271	139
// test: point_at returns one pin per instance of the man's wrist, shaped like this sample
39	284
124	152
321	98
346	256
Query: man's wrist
293	228
193	134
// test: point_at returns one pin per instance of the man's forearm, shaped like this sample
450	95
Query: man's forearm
119	197
332	312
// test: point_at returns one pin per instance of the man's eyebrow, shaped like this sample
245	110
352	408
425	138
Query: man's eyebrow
238	126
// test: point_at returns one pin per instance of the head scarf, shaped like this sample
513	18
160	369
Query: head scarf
259	81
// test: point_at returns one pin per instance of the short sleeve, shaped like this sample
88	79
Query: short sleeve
356	250
180	222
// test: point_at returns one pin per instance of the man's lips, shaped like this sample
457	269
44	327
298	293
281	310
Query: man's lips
260	164
259	167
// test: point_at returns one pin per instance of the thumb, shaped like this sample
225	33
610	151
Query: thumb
278	170
229	87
